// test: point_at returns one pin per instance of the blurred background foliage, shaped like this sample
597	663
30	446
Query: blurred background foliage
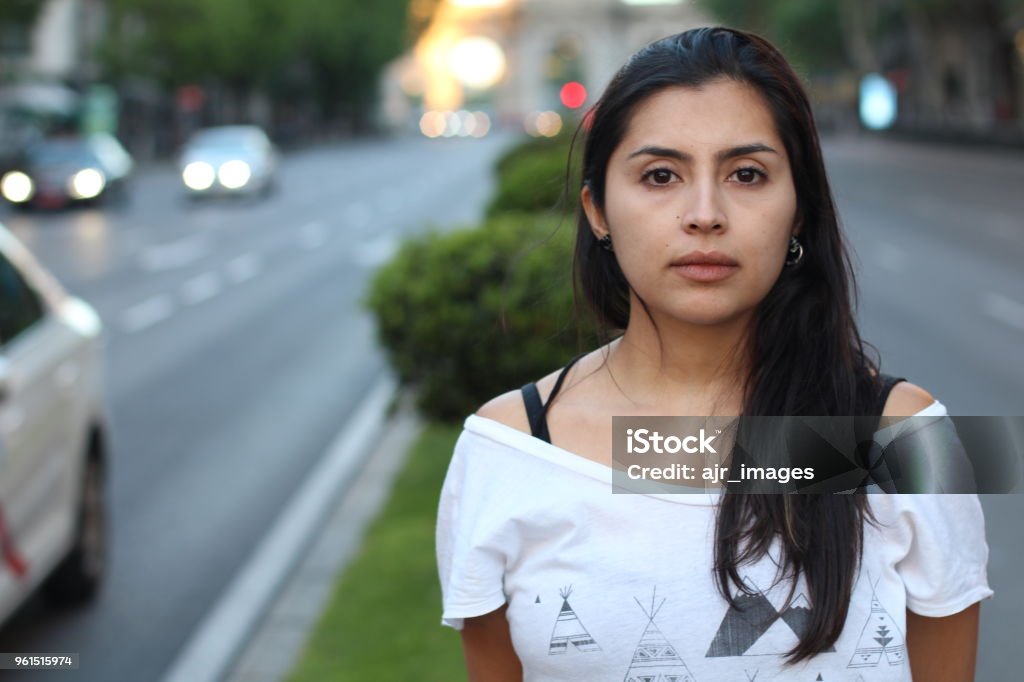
808	32
330	51
20	13
534	176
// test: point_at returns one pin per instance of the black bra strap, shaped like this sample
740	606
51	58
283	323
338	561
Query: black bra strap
536	411
887	383
558	383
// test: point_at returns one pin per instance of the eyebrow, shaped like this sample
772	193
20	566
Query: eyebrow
724	155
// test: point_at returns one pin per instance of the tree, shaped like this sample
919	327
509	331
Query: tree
16	16
327	51
346	43
807	31
19	12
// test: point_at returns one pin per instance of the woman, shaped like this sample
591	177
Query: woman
708	233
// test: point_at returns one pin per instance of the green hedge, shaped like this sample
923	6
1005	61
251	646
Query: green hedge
532	177
470	314
534	146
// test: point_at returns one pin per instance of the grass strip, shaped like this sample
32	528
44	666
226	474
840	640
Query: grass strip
384	618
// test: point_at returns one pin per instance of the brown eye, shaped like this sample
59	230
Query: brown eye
748	176
659	176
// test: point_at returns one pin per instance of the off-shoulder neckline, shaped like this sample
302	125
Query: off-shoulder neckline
560	457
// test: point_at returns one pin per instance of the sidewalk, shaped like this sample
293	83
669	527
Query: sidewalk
279	641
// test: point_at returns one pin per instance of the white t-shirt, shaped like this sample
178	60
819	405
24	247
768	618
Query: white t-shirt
619	587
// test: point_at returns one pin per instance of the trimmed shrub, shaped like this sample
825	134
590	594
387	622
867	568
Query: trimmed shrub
532	177
467	315
534	146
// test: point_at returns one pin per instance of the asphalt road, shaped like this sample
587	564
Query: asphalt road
236	348
939	238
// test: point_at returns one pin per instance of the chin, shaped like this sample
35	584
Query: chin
709	308
709	317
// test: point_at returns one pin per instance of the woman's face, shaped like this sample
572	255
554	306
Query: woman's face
699	170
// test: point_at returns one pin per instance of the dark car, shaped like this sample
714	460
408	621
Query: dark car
63	170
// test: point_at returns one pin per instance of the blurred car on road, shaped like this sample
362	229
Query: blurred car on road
53	438
238	159
62	170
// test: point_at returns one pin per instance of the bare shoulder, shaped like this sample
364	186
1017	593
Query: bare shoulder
906	399
509	409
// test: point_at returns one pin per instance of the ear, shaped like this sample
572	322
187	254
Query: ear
594	215
798	226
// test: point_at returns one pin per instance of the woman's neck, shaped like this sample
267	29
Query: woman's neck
693	363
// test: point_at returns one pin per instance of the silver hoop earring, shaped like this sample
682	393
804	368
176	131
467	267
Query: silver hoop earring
606	243
796	252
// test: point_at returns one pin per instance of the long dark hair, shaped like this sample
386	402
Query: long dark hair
807	357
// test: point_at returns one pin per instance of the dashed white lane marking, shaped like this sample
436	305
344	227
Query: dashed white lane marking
242	268
375	252
312	235
1004	309
160	257
147	313
201	288
891	257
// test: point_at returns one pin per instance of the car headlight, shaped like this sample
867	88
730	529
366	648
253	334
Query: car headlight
198	175
87	183
17	187
234	174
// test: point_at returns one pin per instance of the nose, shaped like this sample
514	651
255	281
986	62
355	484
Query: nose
704	212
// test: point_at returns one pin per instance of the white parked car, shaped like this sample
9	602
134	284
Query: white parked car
53	438
228	160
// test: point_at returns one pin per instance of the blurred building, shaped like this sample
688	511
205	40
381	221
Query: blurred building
58	46
63	40
958	66
45	68
551	42
544	44
961	71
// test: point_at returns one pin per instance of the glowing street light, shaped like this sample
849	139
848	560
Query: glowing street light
477	62
877	102
573	95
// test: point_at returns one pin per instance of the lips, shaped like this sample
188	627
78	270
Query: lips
705	258
705	266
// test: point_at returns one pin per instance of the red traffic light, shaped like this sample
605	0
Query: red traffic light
573	95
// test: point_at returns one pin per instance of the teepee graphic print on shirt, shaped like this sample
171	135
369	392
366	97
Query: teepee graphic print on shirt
756	628
655	659
879	636
569	630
